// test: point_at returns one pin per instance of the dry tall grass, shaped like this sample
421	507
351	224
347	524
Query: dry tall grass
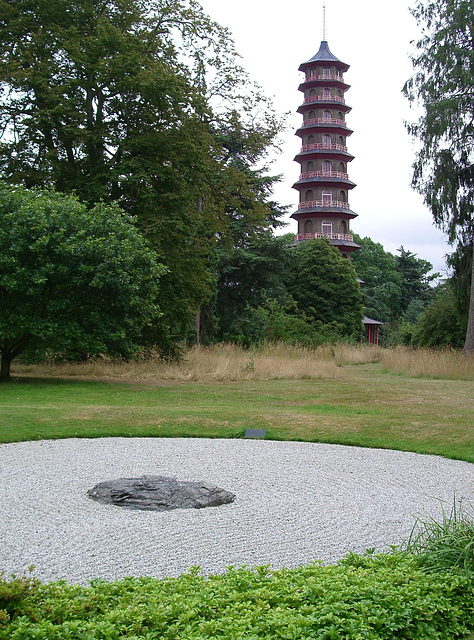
228	362
430	363
224	362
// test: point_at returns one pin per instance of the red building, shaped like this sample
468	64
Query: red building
324	184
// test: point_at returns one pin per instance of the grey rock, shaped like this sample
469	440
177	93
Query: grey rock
159	493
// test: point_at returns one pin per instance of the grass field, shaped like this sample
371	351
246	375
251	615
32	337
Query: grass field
359	396
419	401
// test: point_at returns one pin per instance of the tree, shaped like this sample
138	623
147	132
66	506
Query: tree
133	102
73	281
382	279
248	273
415	279
439	324
443	84
324	286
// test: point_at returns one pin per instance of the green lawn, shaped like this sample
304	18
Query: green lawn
367	406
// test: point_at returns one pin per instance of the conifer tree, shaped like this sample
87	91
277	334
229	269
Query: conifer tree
443	85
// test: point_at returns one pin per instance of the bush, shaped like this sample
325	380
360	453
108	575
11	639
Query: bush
285	323
439	325
370	597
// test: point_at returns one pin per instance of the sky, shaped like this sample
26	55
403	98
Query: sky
374	38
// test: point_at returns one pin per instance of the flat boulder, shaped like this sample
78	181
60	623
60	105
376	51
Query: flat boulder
159	493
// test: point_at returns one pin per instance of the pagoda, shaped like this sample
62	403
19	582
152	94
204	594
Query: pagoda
324	185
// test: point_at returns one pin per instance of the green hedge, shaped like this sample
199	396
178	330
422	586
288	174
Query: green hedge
363	597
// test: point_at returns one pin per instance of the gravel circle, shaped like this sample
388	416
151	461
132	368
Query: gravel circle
295	503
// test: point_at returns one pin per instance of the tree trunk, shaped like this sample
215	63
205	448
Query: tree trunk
469	344
5	366
197	325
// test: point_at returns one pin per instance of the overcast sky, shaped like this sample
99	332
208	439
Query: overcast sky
373	37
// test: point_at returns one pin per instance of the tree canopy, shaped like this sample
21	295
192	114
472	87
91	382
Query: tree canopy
143	104
443	85
324	286
73	281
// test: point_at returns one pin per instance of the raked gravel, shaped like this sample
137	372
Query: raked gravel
295	503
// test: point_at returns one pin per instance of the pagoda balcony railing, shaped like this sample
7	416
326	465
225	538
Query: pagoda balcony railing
332	236
324	174
324	99
323	203
324	76
324	121
323	145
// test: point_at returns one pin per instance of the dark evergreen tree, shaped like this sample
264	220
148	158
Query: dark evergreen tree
416	277
382	280
324	286
443	86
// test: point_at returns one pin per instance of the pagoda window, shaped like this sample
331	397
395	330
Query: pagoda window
308	196
327	198
342	196
311	115
327	166
326	93
312	92
327	140
343	226
341	140
339	93
308	226
326	227
326	73
310	139
340	115
342	168
327	115
310	166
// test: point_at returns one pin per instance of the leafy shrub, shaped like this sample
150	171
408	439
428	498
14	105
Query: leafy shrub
439	325
14	595
285	323
364	597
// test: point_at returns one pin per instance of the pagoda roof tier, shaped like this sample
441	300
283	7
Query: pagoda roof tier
323	181
325	58
323	212
318	150
318	102
334	125
349	245
323	81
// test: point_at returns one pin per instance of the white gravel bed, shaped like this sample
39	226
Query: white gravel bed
295	503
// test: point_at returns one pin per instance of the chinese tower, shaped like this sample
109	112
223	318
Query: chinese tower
324	185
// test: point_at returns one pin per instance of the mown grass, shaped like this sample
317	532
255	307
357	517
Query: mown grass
341	395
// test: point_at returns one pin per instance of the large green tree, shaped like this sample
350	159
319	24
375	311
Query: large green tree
250	271
134	102
382	280
73	281
443	85
324	286
415	277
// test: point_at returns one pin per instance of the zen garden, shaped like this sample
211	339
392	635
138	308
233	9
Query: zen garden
210	426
